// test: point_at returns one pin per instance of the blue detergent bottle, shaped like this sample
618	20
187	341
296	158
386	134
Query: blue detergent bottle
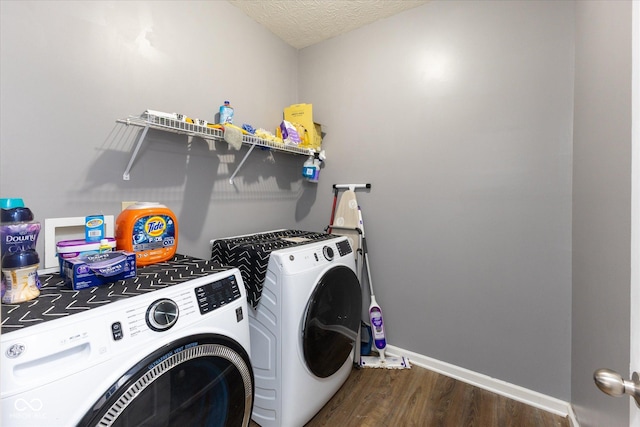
226	113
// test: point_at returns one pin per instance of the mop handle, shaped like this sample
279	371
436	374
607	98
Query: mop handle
366	262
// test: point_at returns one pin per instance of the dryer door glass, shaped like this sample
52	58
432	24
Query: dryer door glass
331	322
198	381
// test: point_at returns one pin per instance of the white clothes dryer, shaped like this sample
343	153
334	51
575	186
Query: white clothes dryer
304	326
170	347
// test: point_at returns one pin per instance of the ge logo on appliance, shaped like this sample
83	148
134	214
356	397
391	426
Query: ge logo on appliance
15	350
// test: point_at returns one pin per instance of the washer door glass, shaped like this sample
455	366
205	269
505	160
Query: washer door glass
203	380
331	322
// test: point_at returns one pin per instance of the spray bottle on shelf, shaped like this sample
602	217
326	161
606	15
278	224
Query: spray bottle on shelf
310	169
316	167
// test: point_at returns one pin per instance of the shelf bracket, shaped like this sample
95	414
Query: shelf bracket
233	175
125	175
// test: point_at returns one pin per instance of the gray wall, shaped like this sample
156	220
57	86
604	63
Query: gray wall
460	115
70	69
601	207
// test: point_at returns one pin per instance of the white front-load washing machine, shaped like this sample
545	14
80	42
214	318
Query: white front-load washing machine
168	348
304	323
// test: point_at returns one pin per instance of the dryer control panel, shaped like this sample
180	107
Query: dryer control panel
343	247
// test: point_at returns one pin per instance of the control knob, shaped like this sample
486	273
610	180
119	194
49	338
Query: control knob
328	253
162	314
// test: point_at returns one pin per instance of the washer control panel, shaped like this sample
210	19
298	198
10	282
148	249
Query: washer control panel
216	294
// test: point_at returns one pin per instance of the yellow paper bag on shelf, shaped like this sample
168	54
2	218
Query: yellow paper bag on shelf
301	115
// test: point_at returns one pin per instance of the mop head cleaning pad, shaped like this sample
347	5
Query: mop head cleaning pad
389	362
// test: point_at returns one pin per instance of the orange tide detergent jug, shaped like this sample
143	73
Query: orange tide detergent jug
150	230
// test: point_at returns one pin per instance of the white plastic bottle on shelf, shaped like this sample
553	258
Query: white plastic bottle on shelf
104	246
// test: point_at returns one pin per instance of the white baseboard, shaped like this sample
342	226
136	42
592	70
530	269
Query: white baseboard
503	388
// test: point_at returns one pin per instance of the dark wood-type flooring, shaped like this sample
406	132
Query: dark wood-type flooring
419	397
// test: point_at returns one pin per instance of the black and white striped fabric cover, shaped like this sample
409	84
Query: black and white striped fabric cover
57	301
250	254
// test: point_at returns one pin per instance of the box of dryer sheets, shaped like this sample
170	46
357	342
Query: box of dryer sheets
67	249
302	114
99	269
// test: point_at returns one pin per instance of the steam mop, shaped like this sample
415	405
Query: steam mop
377	330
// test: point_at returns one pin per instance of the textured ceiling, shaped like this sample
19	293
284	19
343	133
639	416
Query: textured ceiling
301	23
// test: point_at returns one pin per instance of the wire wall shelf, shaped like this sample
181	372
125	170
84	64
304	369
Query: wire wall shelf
169	123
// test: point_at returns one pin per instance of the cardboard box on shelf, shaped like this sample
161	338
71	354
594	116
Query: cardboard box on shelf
302	114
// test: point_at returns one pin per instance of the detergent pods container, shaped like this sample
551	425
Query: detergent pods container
150	230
